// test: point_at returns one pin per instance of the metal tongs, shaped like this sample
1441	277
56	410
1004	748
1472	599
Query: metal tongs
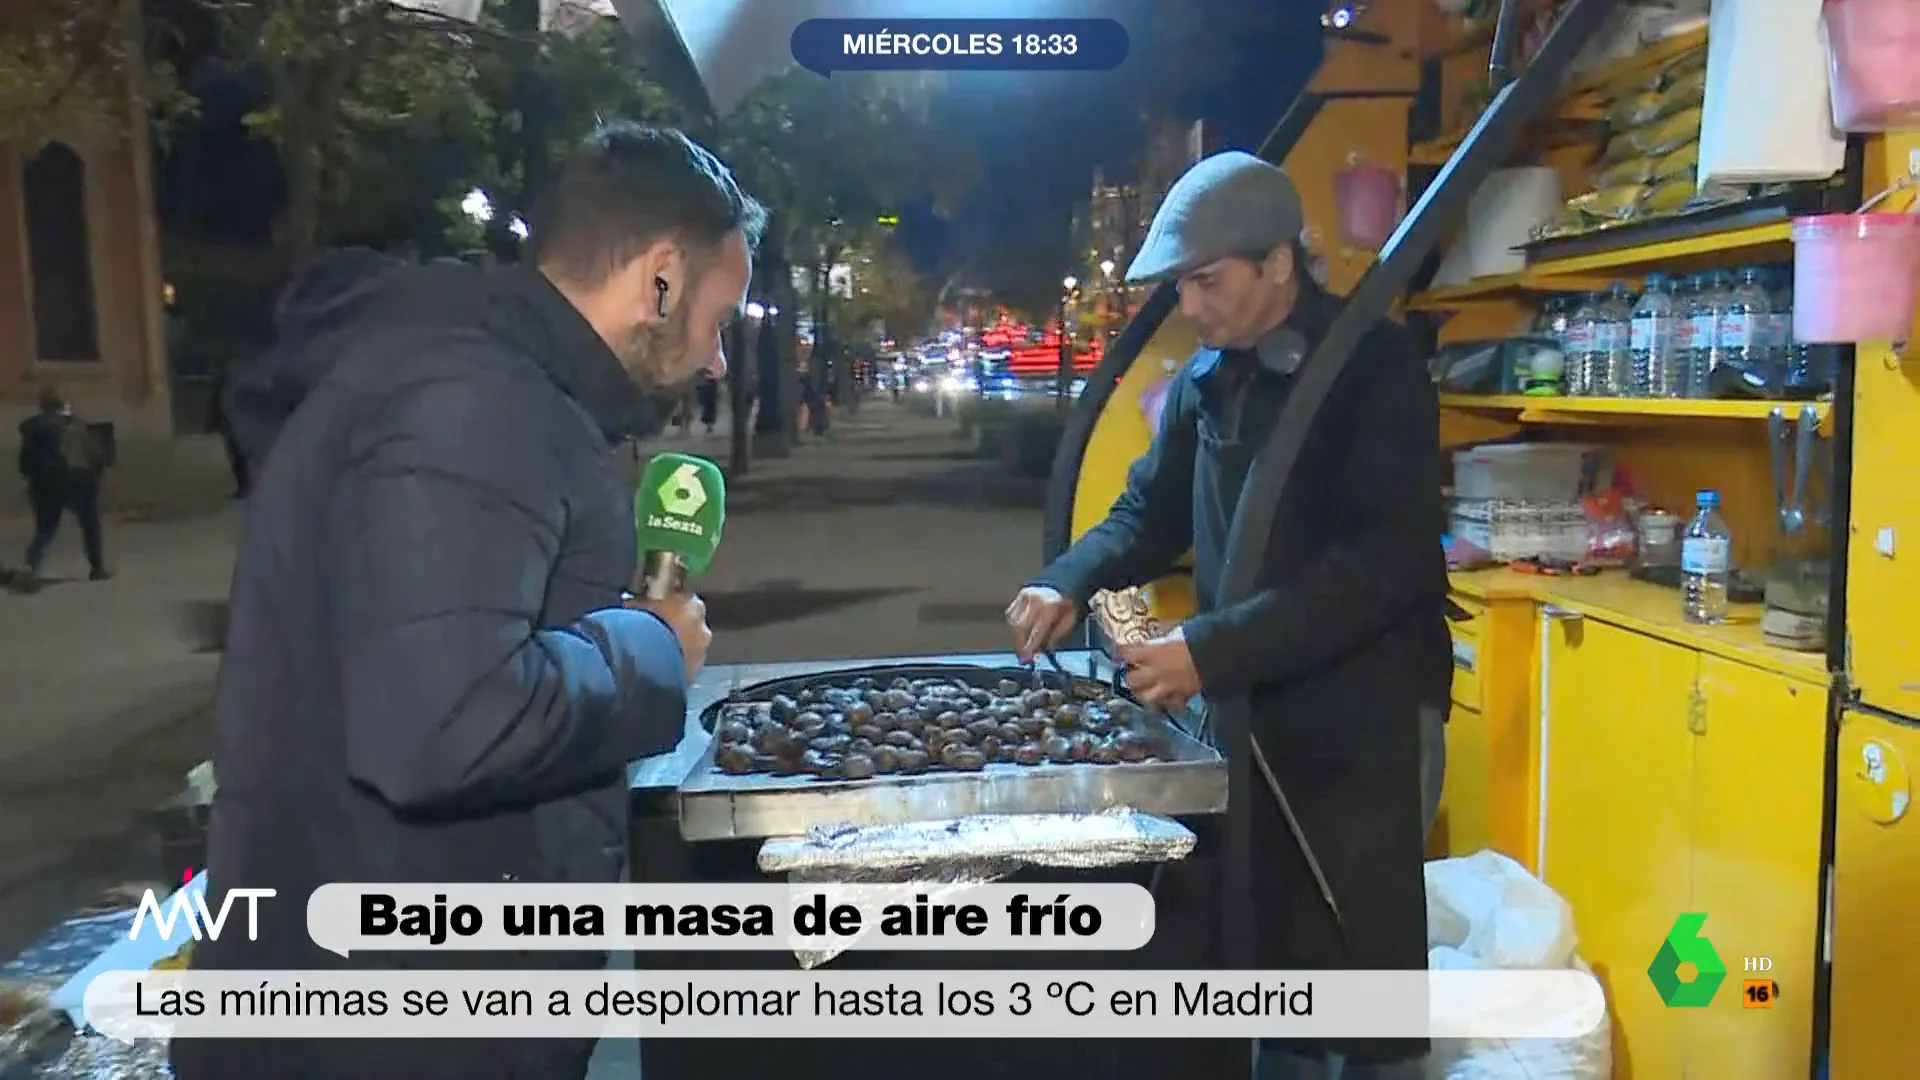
1053	660
1791	501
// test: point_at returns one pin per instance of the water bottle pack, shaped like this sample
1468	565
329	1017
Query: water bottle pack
1678	335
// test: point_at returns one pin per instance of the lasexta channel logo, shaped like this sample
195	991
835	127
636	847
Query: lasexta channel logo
1686	945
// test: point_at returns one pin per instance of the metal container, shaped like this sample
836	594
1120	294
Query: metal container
1189	777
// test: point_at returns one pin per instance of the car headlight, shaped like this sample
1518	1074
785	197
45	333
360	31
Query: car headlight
921	386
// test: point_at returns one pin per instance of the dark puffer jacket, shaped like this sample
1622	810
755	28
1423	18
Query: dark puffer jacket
428	675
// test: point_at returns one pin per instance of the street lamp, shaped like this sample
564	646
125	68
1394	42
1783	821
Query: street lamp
1107	304
1069	282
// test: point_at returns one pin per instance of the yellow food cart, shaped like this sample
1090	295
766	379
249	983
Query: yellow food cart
1642	765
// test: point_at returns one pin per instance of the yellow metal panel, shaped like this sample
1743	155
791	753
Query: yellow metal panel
1619	816
1463	826
1759	775
1509	678
1120	435
1466	665
1371	130
1876	936
1649	609
1883	553
1355	65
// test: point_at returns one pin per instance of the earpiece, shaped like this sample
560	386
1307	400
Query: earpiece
660	295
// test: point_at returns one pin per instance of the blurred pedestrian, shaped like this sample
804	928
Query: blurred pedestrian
217	423
708	392
62	459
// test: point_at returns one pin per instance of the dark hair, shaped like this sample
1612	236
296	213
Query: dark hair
628	186
50	400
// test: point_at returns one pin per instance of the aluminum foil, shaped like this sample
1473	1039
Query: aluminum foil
969	851
91	1056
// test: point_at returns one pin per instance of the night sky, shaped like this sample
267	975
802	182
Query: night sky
1235	63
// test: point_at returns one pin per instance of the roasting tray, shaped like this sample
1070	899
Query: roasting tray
1189	778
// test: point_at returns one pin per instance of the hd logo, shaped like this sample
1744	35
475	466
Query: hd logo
1686	945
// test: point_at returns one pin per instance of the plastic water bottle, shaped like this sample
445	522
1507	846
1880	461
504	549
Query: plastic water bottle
1703	333
1706	562
1779	282
1613	345
1651	340
1578	346
1746	328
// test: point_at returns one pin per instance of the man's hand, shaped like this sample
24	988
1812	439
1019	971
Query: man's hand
1161	672
686	616
1039	617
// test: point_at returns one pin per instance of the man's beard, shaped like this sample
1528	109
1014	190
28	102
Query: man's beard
655	356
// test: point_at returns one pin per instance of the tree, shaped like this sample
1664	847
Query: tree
386	116
889	291
318	56
413	136
73	69
547	91
830	157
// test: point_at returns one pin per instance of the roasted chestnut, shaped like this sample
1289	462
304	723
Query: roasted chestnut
855	728
776	741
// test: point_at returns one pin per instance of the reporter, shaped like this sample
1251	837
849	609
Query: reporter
430	675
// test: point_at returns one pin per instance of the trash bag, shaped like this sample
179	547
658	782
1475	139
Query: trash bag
1486	913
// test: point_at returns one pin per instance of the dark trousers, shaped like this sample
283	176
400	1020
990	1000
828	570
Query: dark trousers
49	503
709	396
237	463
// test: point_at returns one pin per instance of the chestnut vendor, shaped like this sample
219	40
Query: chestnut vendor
1344	648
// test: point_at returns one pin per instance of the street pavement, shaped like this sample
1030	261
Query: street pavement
887	538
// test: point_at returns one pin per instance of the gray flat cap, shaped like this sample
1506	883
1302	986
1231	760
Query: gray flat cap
1230	203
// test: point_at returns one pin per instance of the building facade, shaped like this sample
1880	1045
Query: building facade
1117	218
81	306
81	298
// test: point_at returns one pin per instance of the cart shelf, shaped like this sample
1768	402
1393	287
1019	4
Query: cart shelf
1620	412
1673	250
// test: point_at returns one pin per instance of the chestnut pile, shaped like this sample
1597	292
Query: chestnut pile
909	726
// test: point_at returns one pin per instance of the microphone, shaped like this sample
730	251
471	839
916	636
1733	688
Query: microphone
677	513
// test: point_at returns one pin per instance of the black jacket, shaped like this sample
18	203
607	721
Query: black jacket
428	675
1340	646
44	458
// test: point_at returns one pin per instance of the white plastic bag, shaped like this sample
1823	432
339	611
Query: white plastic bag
1485	912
